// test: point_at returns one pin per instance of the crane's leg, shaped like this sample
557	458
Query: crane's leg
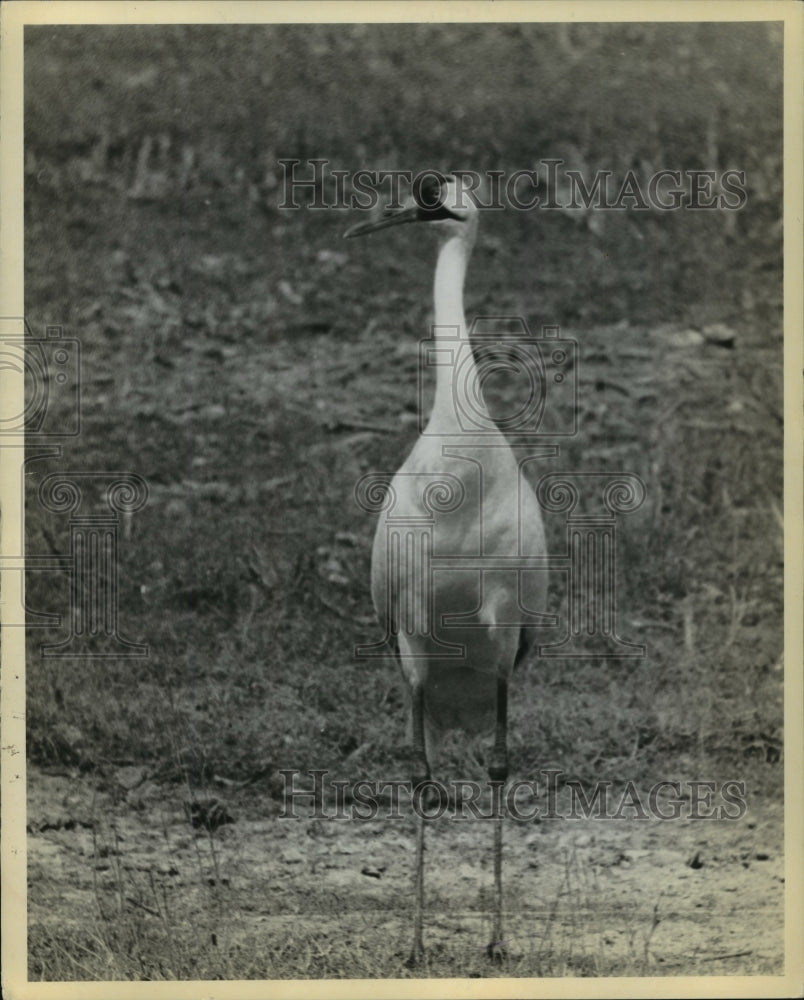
421	773
498	772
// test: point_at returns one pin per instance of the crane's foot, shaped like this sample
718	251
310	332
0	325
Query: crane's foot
416	958
498	770
495	952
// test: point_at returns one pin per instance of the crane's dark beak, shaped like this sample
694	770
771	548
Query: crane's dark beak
409	212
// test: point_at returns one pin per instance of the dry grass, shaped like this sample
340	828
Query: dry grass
246	366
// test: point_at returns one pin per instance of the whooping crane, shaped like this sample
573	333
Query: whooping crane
493	516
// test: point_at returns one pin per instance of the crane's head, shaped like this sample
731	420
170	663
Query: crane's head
439	200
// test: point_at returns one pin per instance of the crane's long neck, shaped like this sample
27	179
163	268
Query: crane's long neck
450	325
453	257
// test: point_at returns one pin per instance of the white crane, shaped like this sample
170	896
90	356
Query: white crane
457	669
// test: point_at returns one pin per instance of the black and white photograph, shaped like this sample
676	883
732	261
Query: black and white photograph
401	468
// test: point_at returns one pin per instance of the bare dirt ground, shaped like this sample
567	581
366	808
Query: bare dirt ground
577	901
